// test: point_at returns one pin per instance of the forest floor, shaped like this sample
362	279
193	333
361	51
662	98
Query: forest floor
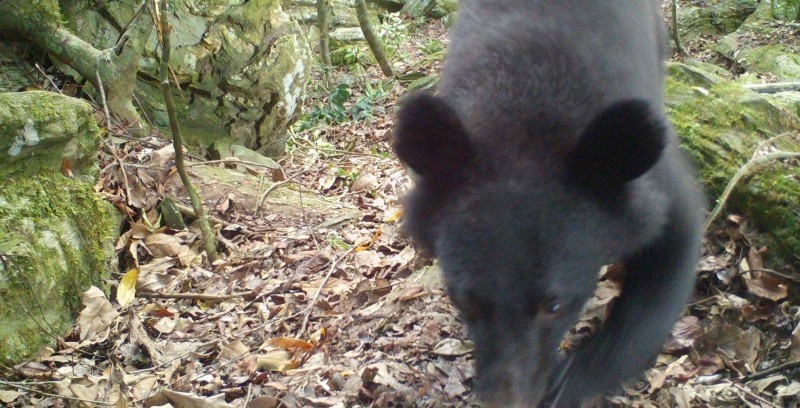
324	303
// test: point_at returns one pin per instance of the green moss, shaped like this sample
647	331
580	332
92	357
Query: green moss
94	217
720	125
64	128
31	15
58	235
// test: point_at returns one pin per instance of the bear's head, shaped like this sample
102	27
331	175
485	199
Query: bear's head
520	235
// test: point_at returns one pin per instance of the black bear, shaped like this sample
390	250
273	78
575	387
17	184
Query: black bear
545	154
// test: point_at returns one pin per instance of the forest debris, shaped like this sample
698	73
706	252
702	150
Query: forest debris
96	316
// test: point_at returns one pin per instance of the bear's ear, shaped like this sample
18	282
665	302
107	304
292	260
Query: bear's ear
622	143
431	140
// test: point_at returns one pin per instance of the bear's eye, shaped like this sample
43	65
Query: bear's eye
550	307
471	305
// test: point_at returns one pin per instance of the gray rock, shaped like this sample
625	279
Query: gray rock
41	131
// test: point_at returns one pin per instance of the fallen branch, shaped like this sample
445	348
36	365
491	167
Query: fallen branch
774	88
47	394
777	369
749	168
310	307
192	296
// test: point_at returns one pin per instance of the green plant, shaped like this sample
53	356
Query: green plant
432	47
348	175
393	32
331	110
335	110
354	57
786	10
349	55
337	242
366	104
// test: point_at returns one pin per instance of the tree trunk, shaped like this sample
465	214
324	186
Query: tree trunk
373	41
209	239
676	36
323	20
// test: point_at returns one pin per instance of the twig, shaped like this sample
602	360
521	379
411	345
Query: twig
776	273
701	301
760	399
275	186
124	32
324	282
750	167
34	390
103	98
779	368
48	78
144	113
774	87
192	296
676	36
233	161
179	357
309	146
189	212
109	144
272	188
57	339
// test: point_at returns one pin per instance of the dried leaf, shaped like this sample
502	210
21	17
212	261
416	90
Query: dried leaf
154	276
164	245
792	390
161	158
767	286
8	397
291	344
264	401
126	291
165	325
395	215
453	347
232	351
683	334
365	182
278	360
97	313
794	349
739	348
186	400
765	383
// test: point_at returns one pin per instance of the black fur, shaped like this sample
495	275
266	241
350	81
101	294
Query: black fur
544	155
618	146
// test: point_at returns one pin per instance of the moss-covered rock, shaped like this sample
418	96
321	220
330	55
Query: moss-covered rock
56	239
40	130
721	124
429	8
721	18
752	46
242	67
16	72
343	12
